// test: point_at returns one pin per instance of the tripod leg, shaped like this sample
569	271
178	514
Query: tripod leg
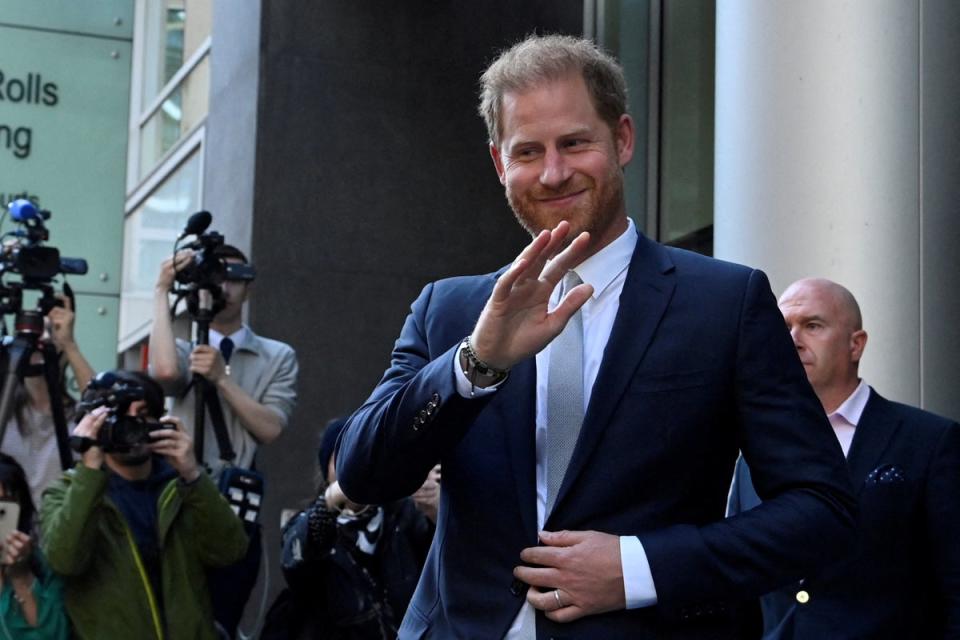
16	352
199	414
219	424
51	372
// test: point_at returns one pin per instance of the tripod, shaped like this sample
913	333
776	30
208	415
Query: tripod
229	586
203	303
17	351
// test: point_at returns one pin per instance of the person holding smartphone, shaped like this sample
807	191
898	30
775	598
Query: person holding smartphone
134	526
31	595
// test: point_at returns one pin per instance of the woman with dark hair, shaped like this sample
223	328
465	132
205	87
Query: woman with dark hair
30	437
31	596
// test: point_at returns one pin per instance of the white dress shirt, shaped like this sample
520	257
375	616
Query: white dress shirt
238	336
606	270
846	417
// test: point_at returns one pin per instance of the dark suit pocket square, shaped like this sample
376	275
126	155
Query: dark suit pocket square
886	474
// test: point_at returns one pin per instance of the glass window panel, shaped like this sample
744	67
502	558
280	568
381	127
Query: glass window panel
149	234
173	45
623	28
686	125
682	200
179	113
173	30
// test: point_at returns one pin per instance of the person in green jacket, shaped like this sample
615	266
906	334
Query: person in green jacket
31	596
134	526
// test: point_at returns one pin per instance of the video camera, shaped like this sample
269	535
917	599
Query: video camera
120	432
207	267
22	252
208	270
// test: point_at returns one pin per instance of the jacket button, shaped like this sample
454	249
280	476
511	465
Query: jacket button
803	597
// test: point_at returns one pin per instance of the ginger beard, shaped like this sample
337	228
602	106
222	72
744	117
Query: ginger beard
598	208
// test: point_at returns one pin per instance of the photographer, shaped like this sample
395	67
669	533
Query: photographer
133	528
35	409
351	568
30	437
258	386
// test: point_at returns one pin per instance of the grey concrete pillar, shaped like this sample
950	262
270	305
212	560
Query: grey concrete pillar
838	155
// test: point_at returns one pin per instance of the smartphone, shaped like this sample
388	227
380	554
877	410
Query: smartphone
9	517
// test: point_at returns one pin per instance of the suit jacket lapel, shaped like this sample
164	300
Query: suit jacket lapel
643	301
871	438
518	419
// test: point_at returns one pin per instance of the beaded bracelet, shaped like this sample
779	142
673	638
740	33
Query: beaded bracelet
481	367
477	367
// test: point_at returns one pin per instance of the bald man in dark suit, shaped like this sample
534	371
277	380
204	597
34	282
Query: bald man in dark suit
902	580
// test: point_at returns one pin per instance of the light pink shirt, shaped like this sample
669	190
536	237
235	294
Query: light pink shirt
847	416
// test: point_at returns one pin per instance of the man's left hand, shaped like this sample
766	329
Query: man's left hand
177	447
581	567
208	362
516	321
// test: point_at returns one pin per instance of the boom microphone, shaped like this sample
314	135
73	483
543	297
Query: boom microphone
196	224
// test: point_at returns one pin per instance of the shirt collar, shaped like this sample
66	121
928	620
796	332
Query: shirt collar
239	337
603	267
852	408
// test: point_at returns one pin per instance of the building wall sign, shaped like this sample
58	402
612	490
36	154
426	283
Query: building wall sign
32	89
64	117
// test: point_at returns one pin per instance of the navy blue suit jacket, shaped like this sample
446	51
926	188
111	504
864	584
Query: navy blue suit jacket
698	365
902	579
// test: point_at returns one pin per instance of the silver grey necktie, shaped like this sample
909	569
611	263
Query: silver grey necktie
564	396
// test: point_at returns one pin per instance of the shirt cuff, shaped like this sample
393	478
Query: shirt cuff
638	584
464	388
